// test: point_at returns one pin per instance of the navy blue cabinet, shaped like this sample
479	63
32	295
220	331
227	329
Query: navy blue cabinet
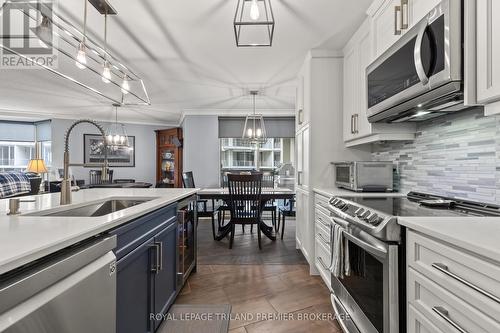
165	276
134	290
147	270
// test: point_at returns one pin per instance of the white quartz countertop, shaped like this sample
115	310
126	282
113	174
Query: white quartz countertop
475	234
335	191
25	238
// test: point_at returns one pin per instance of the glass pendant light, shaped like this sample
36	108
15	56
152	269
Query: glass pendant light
106	68
43	30
125	85
254	130
81	56
116	136
254	10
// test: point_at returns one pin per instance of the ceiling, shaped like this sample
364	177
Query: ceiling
186	54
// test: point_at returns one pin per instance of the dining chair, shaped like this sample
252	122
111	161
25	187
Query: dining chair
245	198
223	207
96	179
286	210
268	181
188	182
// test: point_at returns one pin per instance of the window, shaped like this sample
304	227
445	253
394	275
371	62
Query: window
276	155
14	156
46	152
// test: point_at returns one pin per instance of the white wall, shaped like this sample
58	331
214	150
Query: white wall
145	150
201	149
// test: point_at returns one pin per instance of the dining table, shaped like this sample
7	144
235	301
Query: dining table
268	194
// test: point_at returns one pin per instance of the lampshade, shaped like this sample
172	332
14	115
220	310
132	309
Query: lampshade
116	136
254	23
37	166
254	130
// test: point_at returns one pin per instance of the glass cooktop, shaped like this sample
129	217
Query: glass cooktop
405	206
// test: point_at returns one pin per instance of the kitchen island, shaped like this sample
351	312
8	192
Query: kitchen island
25	237
49	249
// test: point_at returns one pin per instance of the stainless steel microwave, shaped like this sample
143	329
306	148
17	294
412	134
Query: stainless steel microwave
364	176
421	75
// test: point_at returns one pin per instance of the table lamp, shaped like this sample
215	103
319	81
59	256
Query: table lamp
37	165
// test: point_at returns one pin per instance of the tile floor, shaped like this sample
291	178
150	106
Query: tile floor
258	284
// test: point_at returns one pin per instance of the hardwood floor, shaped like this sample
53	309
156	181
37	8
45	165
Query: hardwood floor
269	290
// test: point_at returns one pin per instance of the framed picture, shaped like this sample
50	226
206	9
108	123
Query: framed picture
93	152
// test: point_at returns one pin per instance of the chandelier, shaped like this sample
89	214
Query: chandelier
116	136
254	130
254	23
80	58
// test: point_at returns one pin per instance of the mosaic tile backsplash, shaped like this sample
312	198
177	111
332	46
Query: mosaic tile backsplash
456	155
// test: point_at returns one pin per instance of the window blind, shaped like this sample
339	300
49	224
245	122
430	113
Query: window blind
276	127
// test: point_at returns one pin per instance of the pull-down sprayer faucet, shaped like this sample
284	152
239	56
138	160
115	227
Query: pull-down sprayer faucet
66	183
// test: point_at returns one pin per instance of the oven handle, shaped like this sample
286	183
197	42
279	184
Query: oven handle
417	53
374	249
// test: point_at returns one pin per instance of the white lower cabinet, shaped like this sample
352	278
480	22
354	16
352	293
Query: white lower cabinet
303	228
418	323
322	240
453	289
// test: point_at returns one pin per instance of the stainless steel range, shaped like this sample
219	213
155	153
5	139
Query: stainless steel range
369	292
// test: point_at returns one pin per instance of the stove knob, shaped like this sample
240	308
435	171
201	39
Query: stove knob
365	214
340	204
359	212
372	219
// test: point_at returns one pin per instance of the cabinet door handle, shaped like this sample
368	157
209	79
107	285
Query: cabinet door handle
160	266
404	14
156	265
356	123
320	220
397	11
444	269
443	313
352	124
301	118
322	263
299	178
320	236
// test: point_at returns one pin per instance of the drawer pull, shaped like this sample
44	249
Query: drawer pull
322	263
443	313
320	236
323	222
444	269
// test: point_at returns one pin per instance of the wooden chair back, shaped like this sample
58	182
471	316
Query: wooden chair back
188	179
245	197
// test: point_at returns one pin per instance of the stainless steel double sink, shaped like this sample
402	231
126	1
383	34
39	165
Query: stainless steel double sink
94	209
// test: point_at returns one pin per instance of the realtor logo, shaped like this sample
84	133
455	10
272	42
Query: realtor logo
26	37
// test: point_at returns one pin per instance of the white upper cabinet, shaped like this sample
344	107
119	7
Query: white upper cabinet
302	116
488	54
417	9
386	23
392	18
358	54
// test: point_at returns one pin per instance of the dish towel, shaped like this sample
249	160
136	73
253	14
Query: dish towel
337	268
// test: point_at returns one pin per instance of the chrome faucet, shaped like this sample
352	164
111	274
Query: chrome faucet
66	183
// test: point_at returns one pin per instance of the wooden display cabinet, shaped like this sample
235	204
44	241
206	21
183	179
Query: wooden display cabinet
169	157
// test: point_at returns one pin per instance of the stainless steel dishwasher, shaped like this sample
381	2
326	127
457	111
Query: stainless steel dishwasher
73	290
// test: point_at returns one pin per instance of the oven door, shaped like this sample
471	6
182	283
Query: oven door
428	56
369	294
